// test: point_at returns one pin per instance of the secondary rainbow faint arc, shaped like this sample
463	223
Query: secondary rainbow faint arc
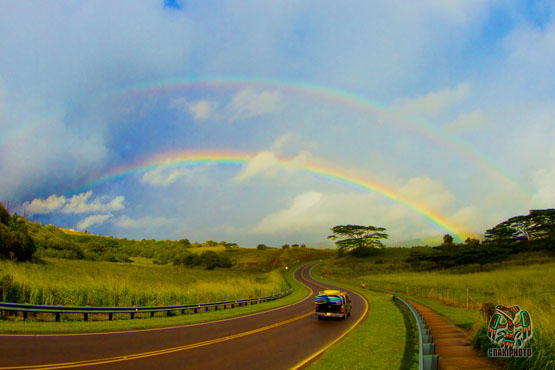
339	96
326	171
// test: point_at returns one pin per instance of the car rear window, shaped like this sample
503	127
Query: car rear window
332	299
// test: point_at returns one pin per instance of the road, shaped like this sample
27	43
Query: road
282	338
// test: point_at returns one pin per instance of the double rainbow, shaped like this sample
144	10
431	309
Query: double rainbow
191	159
335	96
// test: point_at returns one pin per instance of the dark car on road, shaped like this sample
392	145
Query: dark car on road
332	303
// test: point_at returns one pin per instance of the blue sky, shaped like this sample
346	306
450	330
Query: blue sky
462	119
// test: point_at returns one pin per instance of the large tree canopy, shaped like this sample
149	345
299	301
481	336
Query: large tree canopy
352	237
538	224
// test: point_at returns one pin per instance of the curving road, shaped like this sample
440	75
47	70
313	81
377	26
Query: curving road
282	338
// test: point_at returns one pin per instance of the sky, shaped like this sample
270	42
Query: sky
272	122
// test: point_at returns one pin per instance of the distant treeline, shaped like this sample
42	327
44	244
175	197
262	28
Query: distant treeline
21	240
446	256
534	232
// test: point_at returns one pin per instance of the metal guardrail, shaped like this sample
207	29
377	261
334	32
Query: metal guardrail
25	309
427	359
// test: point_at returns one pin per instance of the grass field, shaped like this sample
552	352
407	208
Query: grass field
40	327
82	283
529	286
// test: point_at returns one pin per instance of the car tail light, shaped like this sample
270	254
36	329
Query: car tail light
342	308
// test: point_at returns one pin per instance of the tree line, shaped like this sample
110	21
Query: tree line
532	232
21	240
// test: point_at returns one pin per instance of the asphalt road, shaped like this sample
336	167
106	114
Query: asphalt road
283	338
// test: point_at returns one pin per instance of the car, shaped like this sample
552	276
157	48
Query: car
332	303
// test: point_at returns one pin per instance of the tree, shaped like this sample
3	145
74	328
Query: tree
538	224
4	215
447	240
285	246
261	247
352	237
471	241
15	242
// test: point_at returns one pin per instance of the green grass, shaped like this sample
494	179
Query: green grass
530	286
35	327
380	342
82	283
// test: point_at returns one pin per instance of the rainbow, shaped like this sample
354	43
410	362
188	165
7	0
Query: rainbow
190	159
336	96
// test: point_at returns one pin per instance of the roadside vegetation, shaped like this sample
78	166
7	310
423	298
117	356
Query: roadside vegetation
513	265
70	268
98	324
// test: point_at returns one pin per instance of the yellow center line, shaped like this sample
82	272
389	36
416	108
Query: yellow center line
319	352
165	351
161	351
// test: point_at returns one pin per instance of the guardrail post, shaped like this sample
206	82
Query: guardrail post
429	348
430	362
14	308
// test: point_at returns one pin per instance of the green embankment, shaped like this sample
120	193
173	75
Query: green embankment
461	294
385	340
31	326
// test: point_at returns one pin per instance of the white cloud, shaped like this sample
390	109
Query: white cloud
49	205
467	121
250	103
92	220
285	139
302	213
163	176
428	192
200	109
264	162
430	105
267	164
64	56
77	204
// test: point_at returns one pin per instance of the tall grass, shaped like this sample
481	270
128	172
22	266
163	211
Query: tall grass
81	283
531	287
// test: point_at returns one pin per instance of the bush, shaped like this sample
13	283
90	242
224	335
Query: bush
15	243
365	252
